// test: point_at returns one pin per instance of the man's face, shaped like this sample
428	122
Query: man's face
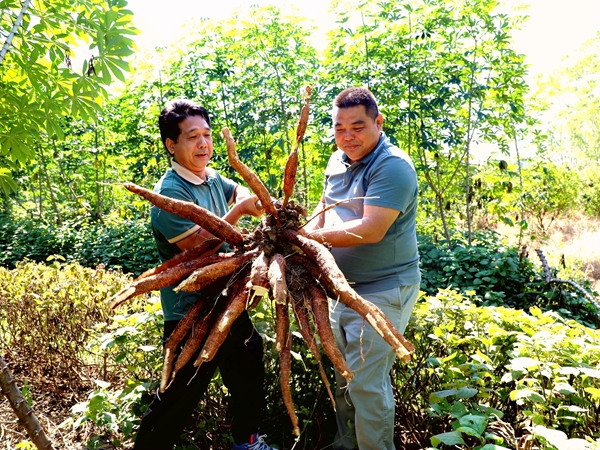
356	134
194	146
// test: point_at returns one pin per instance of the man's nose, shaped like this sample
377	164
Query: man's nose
202	141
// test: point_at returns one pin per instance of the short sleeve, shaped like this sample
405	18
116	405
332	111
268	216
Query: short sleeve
392	183
173	227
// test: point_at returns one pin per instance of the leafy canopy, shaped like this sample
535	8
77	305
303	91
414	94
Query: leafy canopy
39	84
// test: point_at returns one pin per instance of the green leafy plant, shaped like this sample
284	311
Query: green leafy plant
474	366
42	39
132	362
122	244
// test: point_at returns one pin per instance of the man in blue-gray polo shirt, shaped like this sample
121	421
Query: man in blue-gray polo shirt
374	243
186	134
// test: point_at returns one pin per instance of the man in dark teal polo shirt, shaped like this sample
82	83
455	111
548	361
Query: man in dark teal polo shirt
186	134
375	245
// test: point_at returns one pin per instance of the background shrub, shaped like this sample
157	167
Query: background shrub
495	274
48	314
124	244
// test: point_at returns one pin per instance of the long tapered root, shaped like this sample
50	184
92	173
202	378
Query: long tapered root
201	329
320	310
291	165
301	313
283	346
181	330
187	255
331	277
207	275
249	177
277	278
236	305
188	210
164	278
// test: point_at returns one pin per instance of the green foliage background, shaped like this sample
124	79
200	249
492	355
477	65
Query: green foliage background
448	82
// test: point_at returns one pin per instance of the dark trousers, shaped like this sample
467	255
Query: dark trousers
240	362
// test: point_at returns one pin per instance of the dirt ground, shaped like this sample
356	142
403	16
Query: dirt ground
52	409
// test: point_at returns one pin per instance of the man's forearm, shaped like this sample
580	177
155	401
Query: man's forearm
348	234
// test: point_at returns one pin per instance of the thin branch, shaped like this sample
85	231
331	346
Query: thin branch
549	279
362	16
333	206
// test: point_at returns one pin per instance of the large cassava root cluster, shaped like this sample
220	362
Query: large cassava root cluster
276	261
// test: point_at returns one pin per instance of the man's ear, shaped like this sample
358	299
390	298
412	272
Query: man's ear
379	120
170	144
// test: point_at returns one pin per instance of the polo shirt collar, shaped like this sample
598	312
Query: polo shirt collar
367	158
188	175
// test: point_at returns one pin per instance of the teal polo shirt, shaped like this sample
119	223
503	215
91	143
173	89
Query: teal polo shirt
213	194
387	177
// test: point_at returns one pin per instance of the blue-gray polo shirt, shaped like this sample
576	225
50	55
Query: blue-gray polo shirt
387	177
213	194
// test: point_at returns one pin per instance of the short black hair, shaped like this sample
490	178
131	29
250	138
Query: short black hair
173	114
356	96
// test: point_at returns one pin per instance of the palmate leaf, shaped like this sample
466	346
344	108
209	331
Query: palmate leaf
7	184
112	65
35	67
15	143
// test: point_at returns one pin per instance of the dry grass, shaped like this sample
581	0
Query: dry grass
571	245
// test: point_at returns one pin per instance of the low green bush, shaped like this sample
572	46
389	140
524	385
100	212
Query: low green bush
124	244
48	313
485	376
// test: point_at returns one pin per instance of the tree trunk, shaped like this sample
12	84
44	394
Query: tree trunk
46	175
26	417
